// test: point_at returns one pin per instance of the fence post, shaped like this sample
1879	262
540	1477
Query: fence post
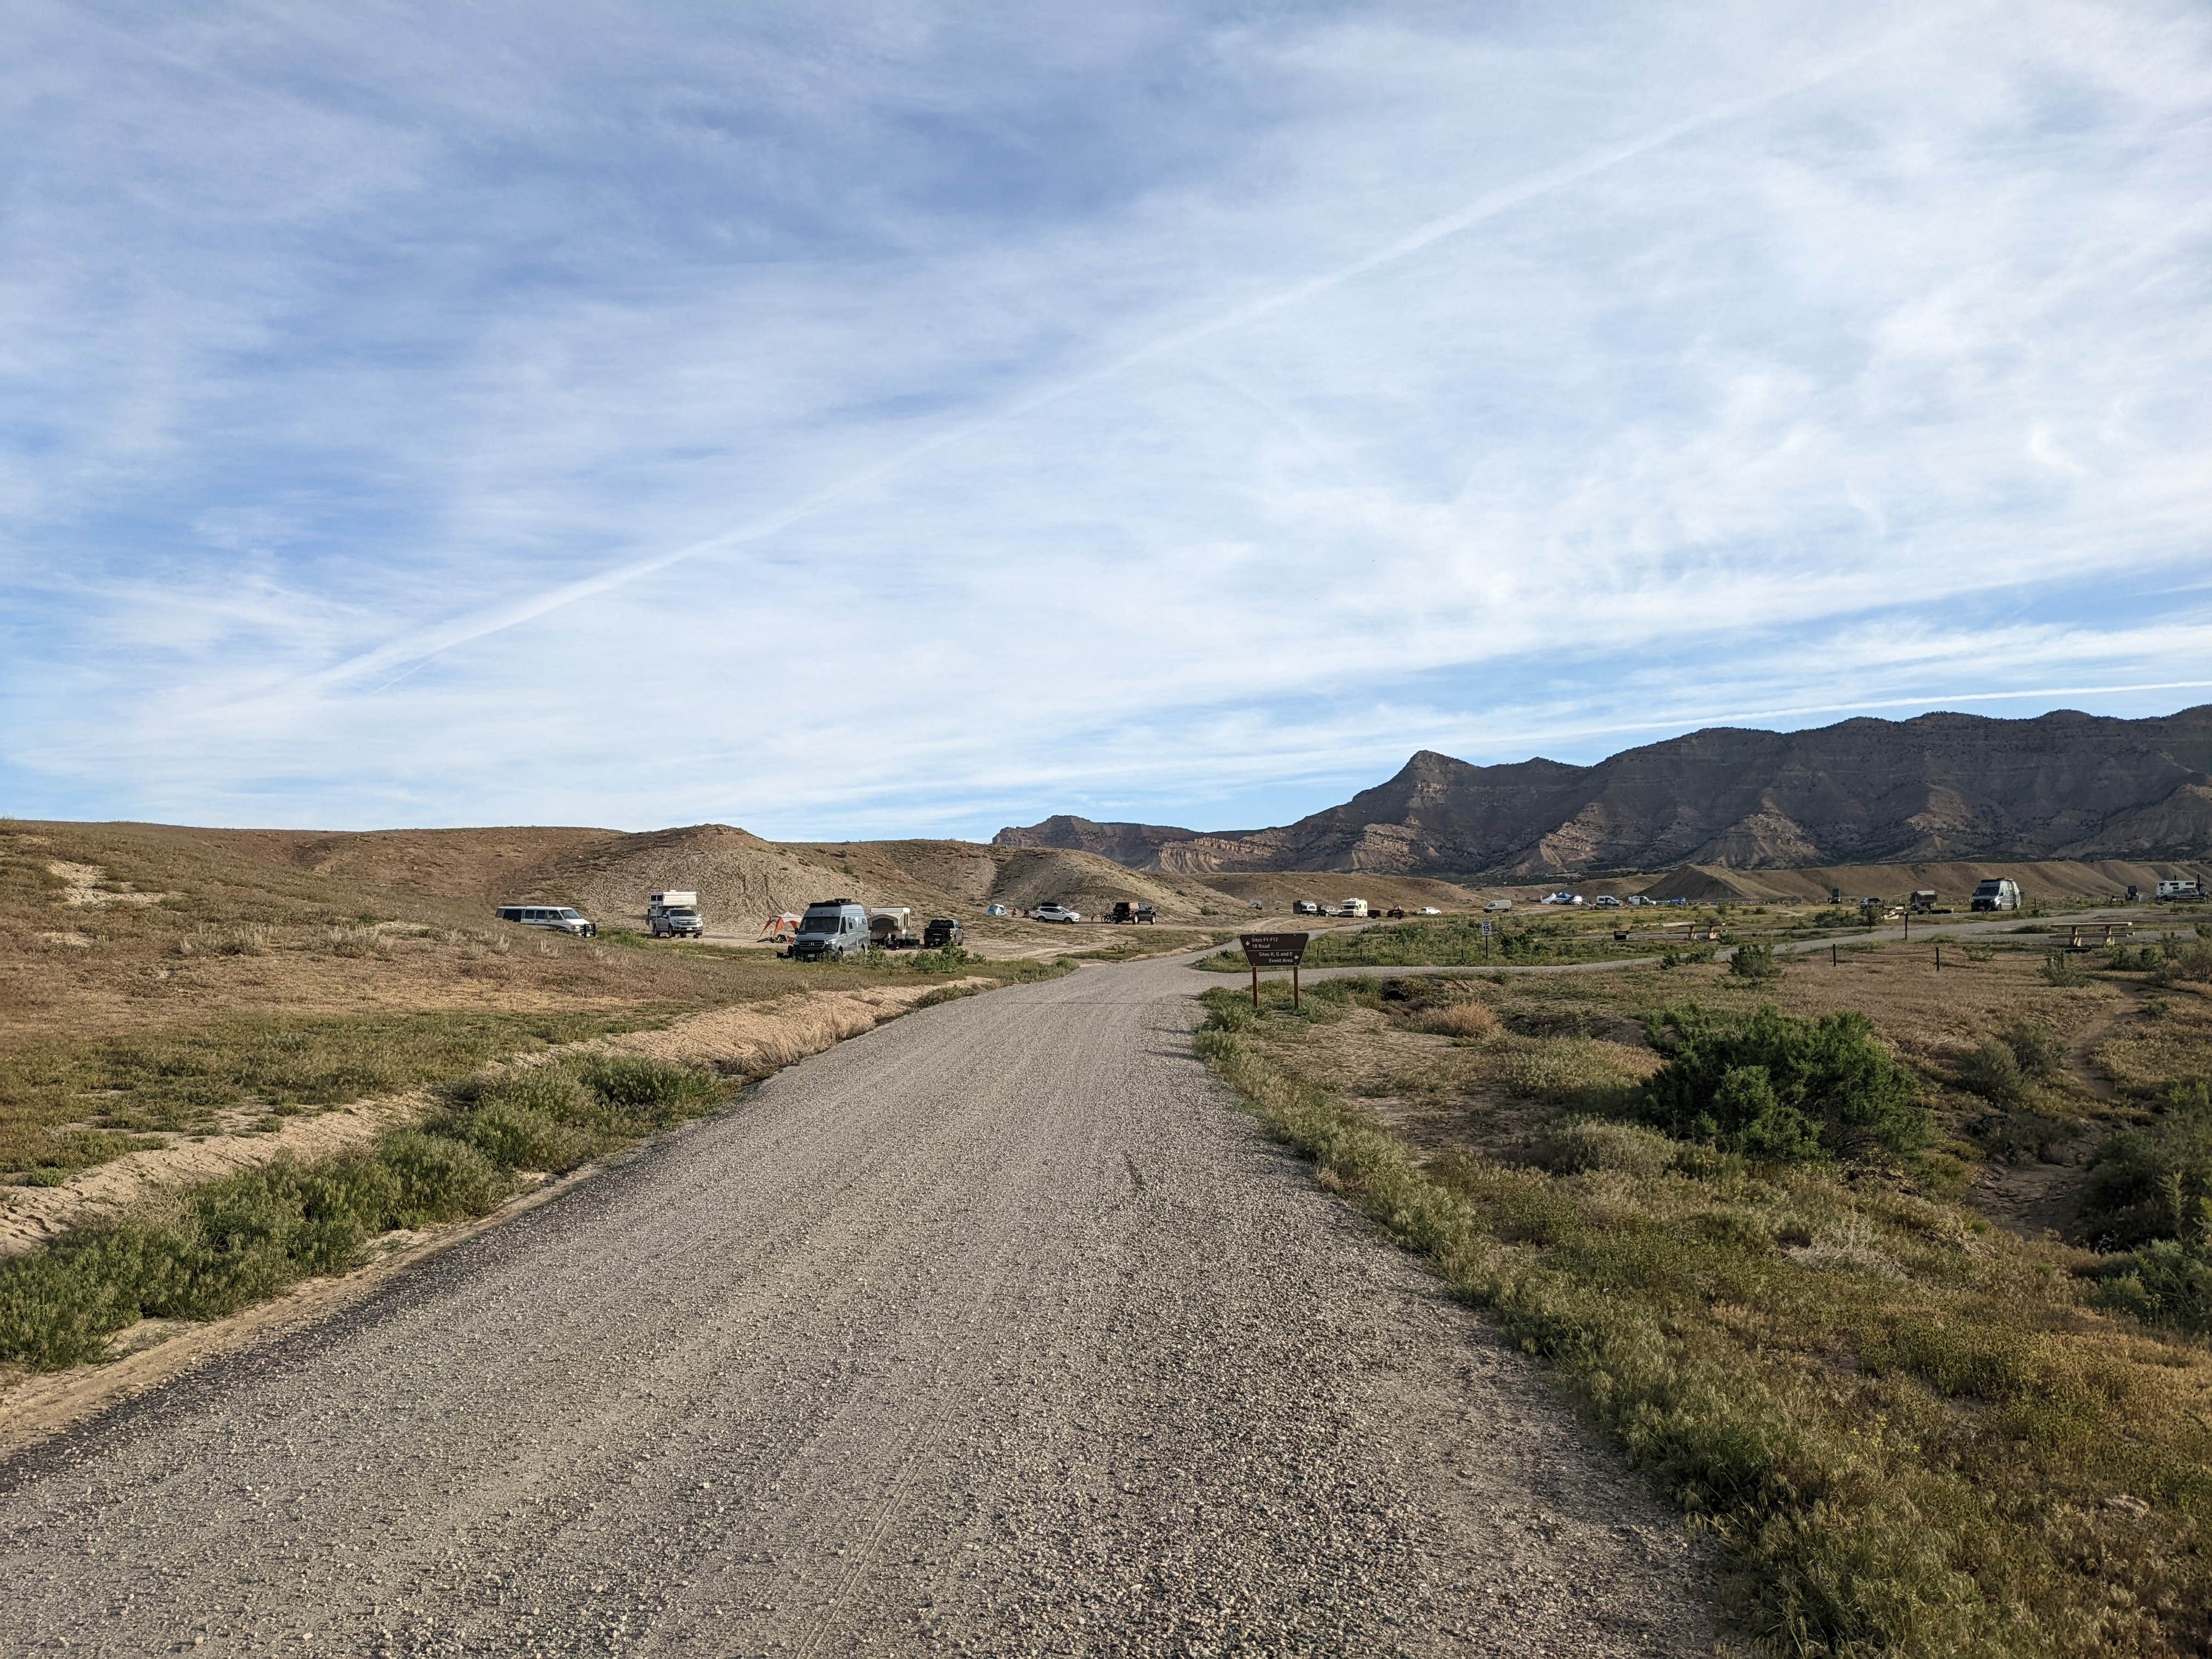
1256	988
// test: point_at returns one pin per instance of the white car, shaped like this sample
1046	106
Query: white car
1428	910
1056	911
558	917
1606	901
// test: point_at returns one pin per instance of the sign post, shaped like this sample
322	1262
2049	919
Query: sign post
1485	938
1273	950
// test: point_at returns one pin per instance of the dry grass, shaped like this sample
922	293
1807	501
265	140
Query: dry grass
1911	1432
208	984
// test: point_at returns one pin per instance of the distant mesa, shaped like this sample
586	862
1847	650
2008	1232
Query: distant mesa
2065	785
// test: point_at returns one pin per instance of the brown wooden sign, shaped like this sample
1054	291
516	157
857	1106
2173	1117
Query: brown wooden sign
1275	950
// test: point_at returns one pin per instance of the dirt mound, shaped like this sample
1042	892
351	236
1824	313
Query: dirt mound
488	866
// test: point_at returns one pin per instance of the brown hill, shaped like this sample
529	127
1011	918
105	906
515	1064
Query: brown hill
1942	786
1136	845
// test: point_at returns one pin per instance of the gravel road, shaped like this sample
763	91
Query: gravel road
998	1330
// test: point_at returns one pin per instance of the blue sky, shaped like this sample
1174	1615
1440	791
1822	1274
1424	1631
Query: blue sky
888	419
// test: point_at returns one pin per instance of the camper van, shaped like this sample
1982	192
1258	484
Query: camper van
2181	890
830	928
1353	908
1997	894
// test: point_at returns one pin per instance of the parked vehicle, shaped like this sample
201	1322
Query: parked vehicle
1124	910
1397	913
1923	901
1499	904
830	928
676	921
1428	910
1305	907
1053	910
557	917
943	931
2181	890
1353	908
891	927
1997	893
673	899
1606	901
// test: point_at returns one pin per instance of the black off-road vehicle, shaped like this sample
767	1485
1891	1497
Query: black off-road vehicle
941	932
1126	911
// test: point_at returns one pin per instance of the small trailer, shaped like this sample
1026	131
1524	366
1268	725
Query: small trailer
891	927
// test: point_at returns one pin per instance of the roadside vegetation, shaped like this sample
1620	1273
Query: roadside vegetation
155	991
223	1245
1517	941
1895	1281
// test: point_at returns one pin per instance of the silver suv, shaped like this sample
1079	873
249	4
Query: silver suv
558	917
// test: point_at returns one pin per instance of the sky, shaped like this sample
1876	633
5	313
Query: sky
891	419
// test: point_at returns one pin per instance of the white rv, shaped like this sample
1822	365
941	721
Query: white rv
2181	890
1353	908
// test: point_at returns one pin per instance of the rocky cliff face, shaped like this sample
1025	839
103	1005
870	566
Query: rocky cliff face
2062	786
1135	845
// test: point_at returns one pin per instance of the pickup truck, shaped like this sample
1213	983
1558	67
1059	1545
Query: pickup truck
1124	910
677	921
941	932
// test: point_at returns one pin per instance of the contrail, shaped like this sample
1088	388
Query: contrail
424	643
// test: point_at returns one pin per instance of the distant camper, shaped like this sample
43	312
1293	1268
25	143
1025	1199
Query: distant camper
2181	890
559	918
1353	908
1997	894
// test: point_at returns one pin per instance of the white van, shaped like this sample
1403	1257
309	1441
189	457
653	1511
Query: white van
1353	908
832	928
1995	894
558	917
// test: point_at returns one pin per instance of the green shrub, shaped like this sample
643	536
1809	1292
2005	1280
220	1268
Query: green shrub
2192	960
2060	968
2167	1281
2147	1183
1993	1072
228	1243
1770	1085
2039	1050
1756	963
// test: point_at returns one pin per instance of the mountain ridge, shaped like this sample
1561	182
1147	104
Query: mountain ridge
2062	784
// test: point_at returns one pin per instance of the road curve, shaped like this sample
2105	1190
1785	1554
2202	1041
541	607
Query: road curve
998	1330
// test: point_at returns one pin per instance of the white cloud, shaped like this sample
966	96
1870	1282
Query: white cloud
906	420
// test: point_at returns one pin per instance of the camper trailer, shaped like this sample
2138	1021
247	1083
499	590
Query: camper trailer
2183	890
1353	908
